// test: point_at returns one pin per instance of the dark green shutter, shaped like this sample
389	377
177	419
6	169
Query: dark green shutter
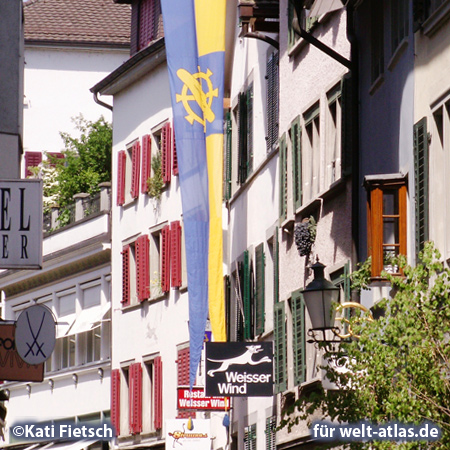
239	303
271	423
272	101
247	294
250	437
283	178
347	283
227	289
421	168
242	138
296	136
298	335
249	98
228	151
280	347
276	267
259	289
347	125
292	37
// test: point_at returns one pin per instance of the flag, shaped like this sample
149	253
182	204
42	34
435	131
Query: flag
194	33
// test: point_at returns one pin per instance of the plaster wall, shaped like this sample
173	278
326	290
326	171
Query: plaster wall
57	83
432	91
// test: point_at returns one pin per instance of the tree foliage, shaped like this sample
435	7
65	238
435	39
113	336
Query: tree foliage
399	368
87	159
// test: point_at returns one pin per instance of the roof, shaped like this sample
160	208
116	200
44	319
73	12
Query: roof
88	22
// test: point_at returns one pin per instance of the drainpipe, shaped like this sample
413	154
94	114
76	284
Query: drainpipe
98	101
351	36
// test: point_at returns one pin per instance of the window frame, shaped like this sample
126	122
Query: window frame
376	187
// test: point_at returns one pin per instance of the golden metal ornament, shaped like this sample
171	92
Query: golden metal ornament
366	318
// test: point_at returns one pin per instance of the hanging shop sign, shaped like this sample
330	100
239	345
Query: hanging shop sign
239	369
178	434
12	366
20	224
197	400
35	334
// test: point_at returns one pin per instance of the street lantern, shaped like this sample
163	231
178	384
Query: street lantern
320	295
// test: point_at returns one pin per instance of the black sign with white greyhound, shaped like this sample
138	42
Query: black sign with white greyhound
239	369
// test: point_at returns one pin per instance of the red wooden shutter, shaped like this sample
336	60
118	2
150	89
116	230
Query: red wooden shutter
126	275
121	166
175	158
53	156
175	253
165	259
135	169
146	161
183	377
115	400
135	405
32	159
157	393
166	150
142	268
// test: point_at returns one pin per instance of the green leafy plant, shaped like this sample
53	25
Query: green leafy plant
399	368
155	183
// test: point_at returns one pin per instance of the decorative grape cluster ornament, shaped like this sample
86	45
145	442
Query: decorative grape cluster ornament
305	235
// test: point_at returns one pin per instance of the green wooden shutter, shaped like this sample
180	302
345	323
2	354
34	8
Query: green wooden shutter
249	99
272	101
296	136
247	294
259	289
250	437
292	36
347	125
239	321
271	423
280	347
228	152
283	178
347	283
298	334
276	267
421	168
227	294
242	138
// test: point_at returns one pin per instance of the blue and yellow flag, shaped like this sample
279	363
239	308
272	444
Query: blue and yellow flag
195	46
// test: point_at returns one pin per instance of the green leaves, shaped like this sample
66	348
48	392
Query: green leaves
399	369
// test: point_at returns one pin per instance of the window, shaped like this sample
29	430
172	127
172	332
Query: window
32	159
250	437
272	101
163	140
148	23
152	395
305	22
387	221
312	157
421	176
399	23
245	134
377	39
123	397
183	376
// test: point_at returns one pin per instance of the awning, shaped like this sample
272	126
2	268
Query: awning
321	7
89	319
63	326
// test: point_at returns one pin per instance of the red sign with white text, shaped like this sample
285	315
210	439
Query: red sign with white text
196	399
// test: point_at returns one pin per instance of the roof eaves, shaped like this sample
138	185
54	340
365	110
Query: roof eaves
133	69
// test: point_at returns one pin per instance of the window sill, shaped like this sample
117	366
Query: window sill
376	84
436	20
398	53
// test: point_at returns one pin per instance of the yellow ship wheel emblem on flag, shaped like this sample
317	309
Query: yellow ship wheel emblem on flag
193	91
